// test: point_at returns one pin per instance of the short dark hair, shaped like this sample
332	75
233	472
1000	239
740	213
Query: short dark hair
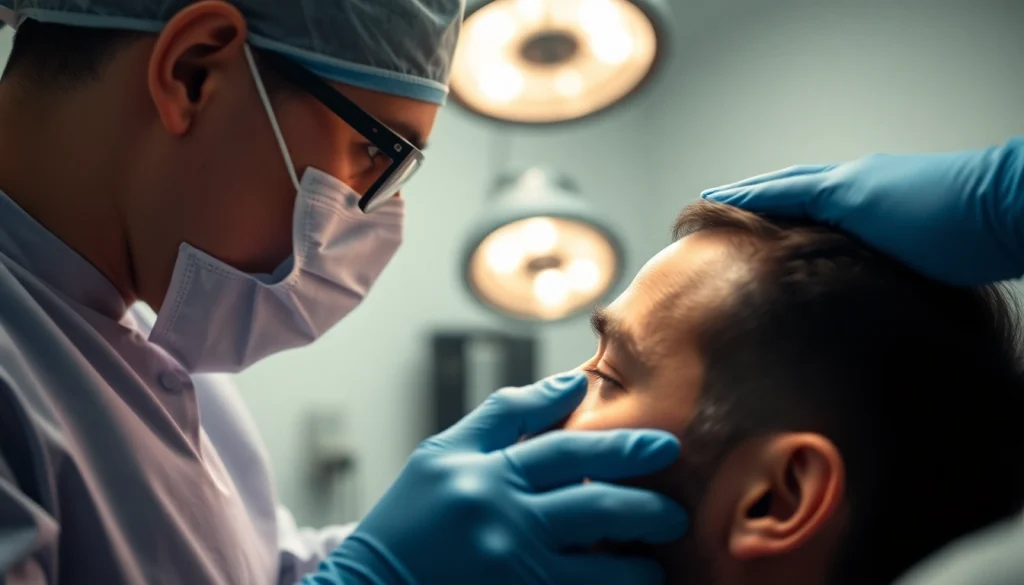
56	55
918	383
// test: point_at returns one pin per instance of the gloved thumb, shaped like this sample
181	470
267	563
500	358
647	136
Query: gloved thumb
510	413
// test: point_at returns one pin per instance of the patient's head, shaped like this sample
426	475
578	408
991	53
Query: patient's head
839	414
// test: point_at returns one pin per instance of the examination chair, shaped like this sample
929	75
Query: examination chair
994	556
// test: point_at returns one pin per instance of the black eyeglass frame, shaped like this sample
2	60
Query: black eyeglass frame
393	145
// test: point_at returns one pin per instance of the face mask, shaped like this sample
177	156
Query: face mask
216	318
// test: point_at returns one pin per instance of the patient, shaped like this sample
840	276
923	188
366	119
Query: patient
841	417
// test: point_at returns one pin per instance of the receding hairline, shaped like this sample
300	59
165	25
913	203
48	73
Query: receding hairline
702	216
709	286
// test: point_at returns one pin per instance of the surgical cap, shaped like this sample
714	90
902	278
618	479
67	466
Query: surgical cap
399	47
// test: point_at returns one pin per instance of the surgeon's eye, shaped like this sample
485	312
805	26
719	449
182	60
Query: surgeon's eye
373	164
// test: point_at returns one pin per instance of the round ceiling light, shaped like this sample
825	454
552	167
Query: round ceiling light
539	252
549	61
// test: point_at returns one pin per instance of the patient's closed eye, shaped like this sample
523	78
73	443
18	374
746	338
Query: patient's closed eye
602	377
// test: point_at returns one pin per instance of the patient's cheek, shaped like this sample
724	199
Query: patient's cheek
583	420
602	413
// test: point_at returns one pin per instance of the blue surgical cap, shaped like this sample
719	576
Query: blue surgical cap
399	47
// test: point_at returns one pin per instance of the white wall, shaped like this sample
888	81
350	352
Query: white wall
756	85
763	85
823	81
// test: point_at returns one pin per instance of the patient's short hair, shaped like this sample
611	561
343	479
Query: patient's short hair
918	383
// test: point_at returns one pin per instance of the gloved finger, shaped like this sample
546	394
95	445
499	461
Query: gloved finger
797	197
597	569
585	514
793	171
510	413
562	457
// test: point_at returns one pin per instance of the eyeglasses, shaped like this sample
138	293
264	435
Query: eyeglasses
405	159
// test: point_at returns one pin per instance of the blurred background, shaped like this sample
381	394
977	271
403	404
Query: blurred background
742	87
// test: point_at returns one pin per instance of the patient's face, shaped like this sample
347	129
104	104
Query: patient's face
647	373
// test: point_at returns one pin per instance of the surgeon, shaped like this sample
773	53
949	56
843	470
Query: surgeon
236	166
956	217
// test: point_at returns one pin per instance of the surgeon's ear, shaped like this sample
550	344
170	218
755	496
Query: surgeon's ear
792	494
190	58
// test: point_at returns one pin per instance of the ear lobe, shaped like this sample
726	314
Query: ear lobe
192	47
791	498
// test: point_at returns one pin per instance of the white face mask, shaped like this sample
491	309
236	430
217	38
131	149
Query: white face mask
216	318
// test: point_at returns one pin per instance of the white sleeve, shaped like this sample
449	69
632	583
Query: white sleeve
21	523
302	549
28	534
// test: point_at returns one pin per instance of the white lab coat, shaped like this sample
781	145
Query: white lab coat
116	466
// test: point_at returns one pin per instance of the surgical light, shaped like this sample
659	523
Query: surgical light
549	61
539	252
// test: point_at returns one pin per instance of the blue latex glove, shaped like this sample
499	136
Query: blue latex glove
474	506
956	217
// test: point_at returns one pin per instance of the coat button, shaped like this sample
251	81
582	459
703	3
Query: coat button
170	381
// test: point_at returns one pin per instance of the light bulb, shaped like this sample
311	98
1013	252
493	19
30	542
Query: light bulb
501	82
610	41
504	253
613	47
539	236
584	275
550	287
493	28
598	16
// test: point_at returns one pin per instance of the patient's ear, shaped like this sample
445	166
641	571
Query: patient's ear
790	490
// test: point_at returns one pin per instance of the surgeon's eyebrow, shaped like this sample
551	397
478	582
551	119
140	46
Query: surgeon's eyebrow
608	328
409	133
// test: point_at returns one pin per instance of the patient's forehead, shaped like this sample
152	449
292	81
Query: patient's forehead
681	283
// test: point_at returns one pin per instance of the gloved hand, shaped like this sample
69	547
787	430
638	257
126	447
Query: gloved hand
956	217
474	507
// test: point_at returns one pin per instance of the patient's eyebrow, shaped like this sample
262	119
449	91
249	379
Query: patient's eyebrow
608	328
